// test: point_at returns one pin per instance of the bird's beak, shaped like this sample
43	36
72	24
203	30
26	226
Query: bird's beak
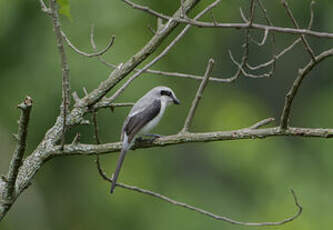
175	100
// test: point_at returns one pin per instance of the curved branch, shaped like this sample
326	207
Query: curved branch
96	54
124	69
199	210
164	52
294	88
215	24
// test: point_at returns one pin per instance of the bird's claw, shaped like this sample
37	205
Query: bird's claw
151	138
154	135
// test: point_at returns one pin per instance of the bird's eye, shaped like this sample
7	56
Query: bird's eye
165	93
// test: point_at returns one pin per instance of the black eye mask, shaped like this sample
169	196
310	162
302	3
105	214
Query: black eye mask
165	93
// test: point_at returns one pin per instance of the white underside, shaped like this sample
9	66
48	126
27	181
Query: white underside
151	124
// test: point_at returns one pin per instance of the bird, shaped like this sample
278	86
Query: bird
144	116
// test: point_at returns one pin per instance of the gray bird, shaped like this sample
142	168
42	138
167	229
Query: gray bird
144	115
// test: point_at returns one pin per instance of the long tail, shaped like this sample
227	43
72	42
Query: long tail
120	162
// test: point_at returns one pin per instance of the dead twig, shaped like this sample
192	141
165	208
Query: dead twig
302	73
198	96
64	66
199	210
17	157
305	42
96	54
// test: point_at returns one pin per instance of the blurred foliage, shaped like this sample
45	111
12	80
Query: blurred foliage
64	8
248	180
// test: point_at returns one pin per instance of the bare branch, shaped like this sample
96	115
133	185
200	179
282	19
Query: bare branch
16	161
64	67
199	210
182	12
99	53
240	67
75	97
91	102
270	62
150	11
119	73
294	88
263	39
174	74
189	137
201	24
284	51
108	104
96	129
252	8
163	53
198	96
311	15
262	123
44	8
305	42
162	73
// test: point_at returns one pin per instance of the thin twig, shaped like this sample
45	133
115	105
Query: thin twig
16	161
252	9
182	12
302	73
64	67
163	53
99	53
263	39
274	59
240	67
284	51
108	104
201	24
199	210
174	74
44	8
96	129
305	42
148	10
198	96
262	123
127	67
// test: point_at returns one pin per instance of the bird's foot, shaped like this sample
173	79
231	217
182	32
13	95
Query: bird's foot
151	138
153	135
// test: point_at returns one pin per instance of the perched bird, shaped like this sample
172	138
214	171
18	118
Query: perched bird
144	115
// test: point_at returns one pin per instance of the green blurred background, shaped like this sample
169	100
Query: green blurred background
247	180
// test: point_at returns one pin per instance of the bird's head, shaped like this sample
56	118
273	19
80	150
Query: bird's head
165	94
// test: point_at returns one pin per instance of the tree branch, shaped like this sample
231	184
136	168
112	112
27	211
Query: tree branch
305	42
215	24
199	210
164	52
124	69
41	154
21	136
294	88
96	54
198	96
189	137
91	102
64	67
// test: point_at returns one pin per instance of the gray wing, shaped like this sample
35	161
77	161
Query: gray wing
136	122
